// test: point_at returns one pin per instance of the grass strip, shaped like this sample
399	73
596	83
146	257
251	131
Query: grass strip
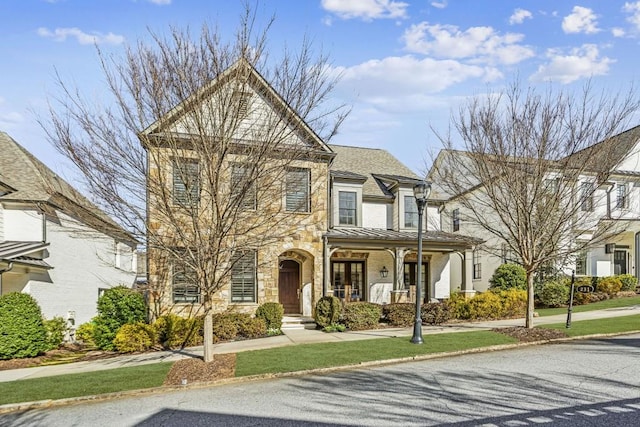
599	326
325	355
84	384
600	305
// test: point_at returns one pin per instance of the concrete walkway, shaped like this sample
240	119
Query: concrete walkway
294	337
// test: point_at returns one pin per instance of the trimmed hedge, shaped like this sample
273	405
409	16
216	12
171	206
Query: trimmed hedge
272	314
22	330
328	311
434	313
399	314
554	294
361	315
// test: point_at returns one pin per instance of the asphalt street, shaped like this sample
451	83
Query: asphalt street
579	383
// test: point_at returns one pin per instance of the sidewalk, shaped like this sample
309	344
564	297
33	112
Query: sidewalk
294	337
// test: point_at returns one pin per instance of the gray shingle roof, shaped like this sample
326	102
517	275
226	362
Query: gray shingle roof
369	161
30	180
615	148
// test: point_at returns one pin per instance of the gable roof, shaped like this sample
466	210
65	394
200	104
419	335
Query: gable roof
27	179
616	148
372	163
243	68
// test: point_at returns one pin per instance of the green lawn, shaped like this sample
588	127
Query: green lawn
84	384
600	326
600	305
324	355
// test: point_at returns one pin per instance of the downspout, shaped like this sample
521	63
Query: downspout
9	268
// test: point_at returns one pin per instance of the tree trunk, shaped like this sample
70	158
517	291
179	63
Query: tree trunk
530	300
208	336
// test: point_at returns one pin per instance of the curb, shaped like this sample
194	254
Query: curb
51	403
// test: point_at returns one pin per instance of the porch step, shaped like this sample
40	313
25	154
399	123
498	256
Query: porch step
298	322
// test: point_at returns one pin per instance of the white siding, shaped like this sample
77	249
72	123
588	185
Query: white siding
22	224
374	215
335	205
1	223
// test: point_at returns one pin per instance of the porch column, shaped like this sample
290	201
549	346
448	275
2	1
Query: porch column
327	268
467	273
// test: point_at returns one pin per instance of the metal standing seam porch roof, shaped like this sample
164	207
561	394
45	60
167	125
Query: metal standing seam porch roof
373	237
18	252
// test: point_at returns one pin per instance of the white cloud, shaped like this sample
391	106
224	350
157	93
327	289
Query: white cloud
481	44
618	32
634	10
61	34
580	62
8	118
581	20
519	15
439	4
160	2
366	10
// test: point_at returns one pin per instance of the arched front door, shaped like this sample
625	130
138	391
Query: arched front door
289	286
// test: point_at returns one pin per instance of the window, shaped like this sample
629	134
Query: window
186	182
348	275
621	196
477	266
586	196
411	276
297	191
410	212
509	256
456	219
243	277
183	281
242	186
347	210
581	263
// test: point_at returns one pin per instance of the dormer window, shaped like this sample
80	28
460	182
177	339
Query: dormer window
347	201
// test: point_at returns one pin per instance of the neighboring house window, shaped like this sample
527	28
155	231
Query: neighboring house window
297	190
551	186
581	263
586	196
243	277
509	256
242	186
184	284
456	219
347	210
477	266
410	212
186	182
621	195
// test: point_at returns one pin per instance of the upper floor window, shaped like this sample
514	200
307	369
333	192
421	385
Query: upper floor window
456	219
347	209
184	283
243	277
186	182
297	190
410	212
621	196
581	263
477	265
509	256
586	196
242	186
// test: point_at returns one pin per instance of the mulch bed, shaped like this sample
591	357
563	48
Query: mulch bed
523	334
65	354
196	370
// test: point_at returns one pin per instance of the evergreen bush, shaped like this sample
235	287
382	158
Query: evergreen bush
399	314
22	331
328	311
485	305
509	276
85	333
272	313
361	315
609	285
459	307
116	307
435	313
554	294
629	282
56	329
132	337
174	331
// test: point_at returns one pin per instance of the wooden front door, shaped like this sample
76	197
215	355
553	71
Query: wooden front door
289	285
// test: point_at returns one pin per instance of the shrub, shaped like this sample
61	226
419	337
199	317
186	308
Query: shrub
609	285
272	313
486	305
85	333
434	313
178	332
334	328
22	331
508	276
399	314
225	327
133	337
328	310
56	329
629	282
249	327
116	307
554	294
361	315
459	307
514	302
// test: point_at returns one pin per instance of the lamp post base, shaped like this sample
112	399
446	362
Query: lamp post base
417	333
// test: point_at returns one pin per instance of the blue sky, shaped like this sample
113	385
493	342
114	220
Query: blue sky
406	64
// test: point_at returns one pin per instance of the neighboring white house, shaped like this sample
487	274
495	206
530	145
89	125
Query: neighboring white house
613	202
54	244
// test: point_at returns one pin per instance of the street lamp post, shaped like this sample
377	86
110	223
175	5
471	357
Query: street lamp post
421	193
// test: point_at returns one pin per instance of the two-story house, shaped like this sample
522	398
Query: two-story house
54	243
326	220
605	225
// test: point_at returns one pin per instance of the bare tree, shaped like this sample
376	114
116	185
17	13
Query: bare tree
192	146
532	171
